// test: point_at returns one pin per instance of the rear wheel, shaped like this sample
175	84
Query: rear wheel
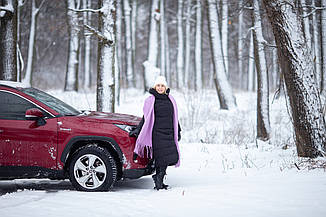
92	168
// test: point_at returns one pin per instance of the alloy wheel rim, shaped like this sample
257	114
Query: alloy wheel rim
90	171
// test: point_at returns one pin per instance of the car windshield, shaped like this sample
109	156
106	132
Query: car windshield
51	101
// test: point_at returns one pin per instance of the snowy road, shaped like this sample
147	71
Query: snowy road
219	181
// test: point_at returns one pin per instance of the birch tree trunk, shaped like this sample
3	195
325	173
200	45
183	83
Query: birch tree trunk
31	44
306	22
180	60
276	71
323	44
224	35
316	37
105	93
134	14
297	67
162	34
151	70
198	47
188	39
8	40
263	123
128	41
118	39
87	38
240	46
71	82
20	62
223	87
118	55
168	64
251	64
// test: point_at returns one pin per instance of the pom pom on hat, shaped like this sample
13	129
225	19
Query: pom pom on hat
160	80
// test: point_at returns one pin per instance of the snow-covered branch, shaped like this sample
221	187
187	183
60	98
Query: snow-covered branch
86	10
314	11
99	34
8	8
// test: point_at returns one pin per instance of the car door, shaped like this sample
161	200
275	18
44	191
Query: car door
22	142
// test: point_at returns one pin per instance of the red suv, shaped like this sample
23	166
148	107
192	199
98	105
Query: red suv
43	137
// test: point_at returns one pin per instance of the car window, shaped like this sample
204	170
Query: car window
13	107
51	101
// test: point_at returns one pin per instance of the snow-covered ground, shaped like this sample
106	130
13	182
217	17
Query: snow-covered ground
223	171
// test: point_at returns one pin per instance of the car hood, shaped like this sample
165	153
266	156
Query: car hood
104	117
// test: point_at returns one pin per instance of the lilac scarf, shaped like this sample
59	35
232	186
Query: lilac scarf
144	140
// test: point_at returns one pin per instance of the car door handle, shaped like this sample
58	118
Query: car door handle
1	131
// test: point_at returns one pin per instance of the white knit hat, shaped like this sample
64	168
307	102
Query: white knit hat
160	80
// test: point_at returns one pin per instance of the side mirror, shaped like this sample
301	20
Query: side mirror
35	114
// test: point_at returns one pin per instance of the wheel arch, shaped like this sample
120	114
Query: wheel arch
106	142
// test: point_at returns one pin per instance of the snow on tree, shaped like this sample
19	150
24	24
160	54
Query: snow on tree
128	43
106	60
180	55
8	40
152	54
263	123
223	87
298	70
198	47
31	45
71	82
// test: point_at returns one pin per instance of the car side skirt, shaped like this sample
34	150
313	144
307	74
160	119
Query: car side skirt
25	172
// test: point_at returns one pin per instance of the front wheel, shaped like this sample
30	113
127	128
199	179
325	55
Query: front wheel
92	168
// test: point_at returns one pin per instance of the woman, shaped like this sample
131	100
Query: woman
159	131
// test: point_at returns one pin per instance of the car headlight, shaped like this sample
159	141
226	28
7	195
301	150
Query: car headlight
124	127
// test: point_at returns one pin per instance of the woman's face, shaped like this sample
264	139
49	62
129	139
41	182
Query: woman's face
160	88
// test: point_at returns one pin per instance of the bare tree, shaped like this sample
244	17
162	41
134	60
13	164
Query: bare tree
180	49
316	47
128	43
8	40
163	38
223	87
106	57
71	82
225	33
134	14
298	70
187	44
150	65
87	38
263	123
251	64
240	44
31	45
323	44
198	47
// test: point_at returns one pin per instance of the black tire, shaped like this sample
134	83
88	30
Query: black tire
99	176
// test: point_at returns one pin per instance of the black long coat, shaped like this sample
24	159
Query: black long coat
165	151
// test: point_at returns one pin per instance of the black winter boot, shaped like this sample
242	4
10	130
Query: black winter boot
158	179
